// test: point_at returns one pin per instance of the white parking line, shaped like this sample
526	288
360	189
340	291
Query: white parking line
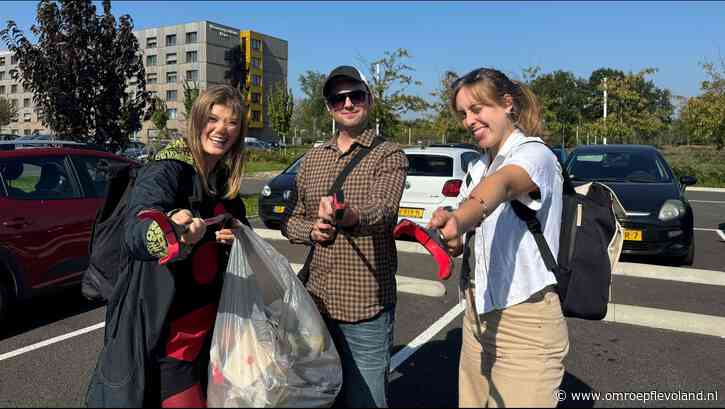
425	336
721	234
649	317
666	319
681	274
51	341
707	201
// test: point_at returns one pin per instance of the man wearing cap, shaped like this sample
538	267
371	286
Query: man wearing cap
352	269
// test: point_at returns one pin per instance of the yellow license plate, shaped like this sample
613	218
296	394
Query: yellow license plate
410	212
278	209
633	235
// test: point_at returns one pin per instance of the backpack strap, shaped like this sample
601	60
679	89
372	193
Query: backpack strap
362	152
304	273
534	226
528	216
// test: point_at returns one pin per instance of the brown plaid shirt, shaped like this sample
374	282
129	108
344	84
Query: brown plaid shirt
353	278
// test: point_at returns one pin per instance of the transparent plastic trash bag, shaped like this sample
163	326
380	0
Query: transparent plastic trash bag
270	346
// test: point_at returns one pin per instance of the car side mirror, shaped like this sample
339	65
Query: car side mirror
688	180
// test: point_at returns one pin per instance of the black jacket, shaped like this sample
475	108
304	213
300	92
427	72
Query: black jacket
146	296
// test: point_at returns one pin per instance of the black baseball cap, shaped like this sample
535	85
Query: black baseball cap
344	71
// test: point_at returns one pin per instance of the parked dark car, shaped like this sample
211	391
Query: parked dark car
560	153
48	201
275	196
659	219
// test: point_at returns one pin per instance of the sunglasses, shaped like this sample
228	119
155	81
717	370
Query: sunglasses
337	101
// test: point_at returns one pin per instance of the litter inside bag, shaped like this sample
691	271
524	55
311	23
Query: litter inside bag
270	346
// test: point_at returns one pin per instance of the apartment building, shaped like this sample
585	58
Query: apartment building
28	118
192	54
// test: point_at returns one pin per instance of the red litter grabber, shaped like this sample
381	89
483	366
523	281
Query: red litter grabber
173	245
431	240
339	205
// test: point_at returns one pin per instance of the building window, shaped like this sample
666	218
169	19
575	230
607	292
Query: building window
26	116
191	57
171	95
13	102
171	112
256	62
2	89
171	40
151	42
14	89
152	78
222	35
26	131
190	37
256	97
256	80
171	77
256	44
26	102
150	60
192	75
256	116
13	59
170	58
2	75
14	131
2	60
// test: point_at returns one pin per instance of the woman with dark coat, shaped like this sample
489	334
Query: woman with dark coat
160	318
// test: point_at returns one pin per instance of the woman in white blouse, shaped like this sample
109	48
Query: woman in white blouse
515	337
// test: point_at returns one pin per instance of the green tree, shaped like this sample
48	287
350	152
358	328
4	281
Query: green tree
562	96
281	107
314	118
85	71
160	117
446	125
703	116
390	91
191	92
8	111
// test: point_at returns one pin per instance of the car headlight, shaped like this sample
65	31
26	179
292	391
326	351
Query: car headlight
672	209
266	191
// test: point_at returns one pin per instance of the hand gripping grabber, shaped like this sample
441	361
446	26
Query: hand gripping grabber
431	240
167	227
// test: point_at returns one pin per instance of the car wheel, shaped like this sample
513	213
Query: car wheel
4	301
688	259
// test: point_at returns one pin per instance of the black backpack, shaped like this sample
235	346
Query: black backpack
107	257
589	246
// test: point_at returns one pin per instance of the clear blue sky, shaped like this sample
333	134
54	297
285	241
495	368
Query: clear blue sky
573	36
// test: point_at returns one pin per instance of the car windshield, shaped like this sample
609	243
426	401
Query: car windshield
625	166
429	165
294	168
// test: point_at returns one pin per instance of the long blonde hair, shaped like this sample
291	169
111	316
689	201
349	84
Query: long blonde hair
234	158
489	86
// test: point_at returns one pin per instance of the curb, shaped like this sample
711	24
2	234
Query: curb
705	189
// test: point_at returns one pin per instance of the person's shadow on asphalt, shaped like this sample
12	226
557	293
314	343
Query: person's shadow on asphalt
429	378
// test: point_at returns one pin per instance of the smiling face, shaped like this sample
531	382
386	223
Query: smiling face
221	132
353	114
487	121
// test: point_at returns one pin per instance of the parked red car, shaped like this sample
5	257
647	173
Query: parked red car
48	202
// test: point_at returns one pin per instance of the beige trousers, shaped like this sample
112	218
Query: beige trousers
517	360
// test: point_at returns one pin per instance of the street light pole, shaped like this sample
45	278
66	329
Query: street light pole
605	98
377	82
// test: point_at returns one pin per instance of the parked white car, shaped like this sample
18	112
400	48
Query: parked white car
435	176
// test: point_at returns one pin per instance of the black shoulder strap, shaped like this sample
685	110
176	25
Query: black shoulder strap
528	216
534	226
362	151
